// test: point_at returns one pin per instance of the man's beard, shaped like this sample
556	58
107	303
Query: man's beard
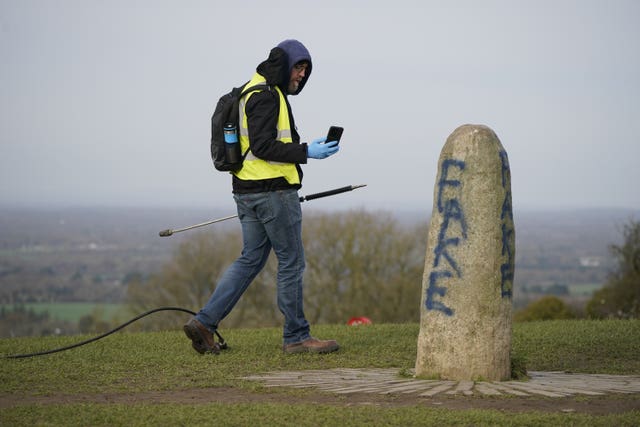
293	87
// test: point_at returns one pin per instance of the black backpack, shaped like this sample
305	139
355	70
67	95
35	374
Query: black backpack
227	112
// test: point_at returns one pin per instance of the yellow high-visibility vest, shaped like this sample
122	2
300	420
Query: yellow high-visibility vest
254	168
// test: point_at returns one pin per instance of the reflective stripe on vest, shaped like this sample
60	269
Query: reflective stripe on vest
253	168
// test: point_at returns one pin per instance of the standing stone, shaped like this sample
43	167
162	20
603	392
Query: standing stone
465	318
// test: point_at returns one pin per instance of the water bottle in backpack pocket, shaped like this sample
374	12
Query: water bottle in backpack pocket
231	145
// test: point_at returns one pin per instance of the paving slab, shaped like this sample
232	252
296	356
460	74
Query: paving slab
389	381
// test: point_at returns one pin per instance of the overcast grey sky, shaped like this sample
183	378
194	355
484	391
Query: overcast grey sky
109	102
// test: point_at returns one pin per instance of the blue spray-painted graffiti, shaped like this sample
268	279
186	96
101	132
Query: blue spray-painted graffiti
444	182
452	211
506	216
434	289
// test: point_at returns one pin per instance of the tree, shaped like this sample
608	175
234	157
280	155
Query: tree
363	264
620	297
546	308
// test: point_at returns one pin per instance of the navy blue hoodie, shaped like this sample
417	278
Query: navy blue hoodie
277	68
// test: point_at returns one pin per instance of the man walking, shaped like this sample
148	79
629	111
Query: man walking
266	193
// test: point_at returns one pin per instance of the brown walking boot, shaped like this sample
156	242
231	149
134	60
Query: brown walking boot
311	345
201	339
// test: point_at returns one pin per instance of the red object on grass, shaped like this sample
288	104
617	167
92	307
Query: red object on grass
355	321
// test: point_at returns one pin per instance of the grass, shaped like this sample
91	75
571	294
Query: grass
607	346
145	362
269	414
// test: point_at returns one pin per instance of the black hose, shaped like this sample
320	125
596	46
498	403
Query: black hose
69	347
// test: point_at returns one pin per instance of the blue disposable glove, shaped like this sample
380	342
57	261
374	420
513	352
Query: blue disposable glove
319	150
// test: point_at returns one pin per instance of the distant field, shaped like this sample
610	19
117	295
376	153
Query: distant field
71	311
586	289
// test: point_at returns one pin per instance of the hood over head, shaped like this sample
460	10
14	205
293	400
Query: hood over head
276	69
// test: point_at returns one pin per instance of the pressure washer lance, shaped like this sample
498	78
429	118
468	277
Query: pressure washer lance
169	231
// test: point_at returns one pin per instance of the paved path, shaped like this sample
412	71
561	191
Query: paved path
388	381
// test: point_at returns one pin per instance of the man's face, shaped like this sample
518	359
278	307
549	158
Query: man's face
297	74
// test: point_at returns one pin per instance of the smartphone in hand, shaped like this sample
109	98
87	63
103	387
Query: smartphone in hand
334	134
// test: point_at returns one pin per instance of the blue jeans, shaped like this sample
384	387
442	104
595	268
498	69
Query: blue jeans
269	220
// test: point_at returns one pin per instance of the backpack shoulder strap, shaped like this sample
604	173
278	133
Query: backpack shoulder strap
244	91
260	86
